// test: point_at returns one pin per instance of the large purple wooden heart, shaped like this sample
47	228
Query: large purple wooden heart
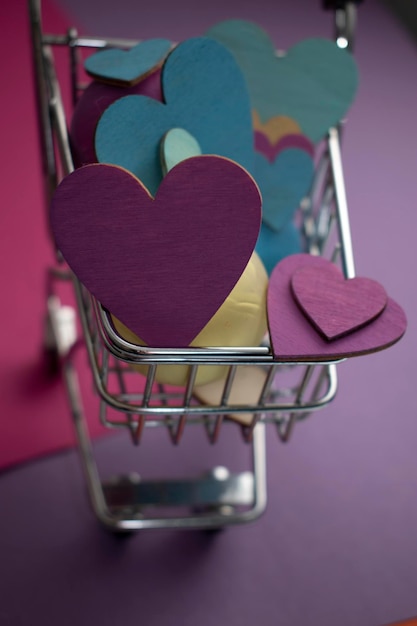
162	266
334	305
293	338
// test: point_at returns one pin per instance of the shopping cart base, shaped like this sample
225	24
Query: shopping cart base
216	490
212	500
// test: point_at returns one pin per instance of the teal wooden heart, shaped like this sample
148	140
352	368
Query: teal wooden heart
204	93
127	67
273	246
314	83
176	146
283	184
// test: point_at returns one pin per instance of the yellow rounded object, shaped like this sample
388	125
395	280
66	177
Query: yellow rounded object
240	321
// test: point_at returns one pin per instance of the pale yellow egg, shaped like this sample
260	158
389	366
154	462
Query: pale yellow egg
240	321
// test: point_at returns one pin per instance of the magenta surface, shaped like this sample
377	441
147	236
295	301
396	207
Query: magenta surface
294	338
162	266
295	141
334	305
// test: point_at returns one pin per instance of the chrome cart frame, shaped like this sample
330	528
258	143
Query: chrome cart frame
133	402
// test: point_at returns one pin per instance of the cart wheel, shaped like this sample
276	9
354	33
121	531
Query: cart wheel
120	535
224	511
120	500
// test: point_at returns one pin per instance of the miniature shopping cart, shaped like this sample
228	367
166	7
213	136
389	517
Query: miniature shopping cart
286	394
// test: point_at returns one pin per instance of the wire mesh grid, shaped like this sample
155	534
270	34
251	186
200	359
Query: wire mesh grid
134	400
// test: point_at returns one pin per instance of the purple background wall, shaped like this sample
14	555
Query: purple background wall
338	544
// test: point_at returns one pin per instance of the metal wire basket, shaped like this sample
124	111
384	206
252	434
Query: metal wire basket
283	394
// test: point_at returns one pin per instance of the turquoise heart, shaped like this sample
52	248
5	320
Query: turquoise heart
283	184
314	83
176	146
272	247
204	93
128	66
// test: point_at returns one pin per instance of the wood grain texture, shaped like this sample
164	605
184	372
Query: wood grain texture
276	127
204	93
240	321
293	337
91	106
162	266
283	184
176	146
314	83
334	305
127	67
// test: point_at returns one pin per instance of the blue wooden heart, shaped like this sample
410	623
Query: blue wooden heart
283	184
176	146
314	83
272	247
128	66
204	93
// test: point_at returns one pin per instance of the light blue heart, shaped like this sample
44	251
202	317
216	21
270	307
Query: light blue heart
205	94
314	83
176	146
283	184
128	65
272	247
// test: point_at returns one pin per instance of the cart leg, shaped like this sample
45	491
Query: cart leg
215	499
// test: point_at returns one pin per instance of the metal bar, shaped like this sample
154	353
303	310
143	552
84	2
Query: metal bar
58	115
86	452
132	353
74	62
247	431
188	394
348	262
214	433
345	25
42	101
89	42
137	434
286	432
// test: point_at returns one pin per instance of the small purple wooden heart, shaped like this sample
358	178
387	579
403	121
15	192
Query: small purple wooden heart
293	338
334	305
162	266
295	141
